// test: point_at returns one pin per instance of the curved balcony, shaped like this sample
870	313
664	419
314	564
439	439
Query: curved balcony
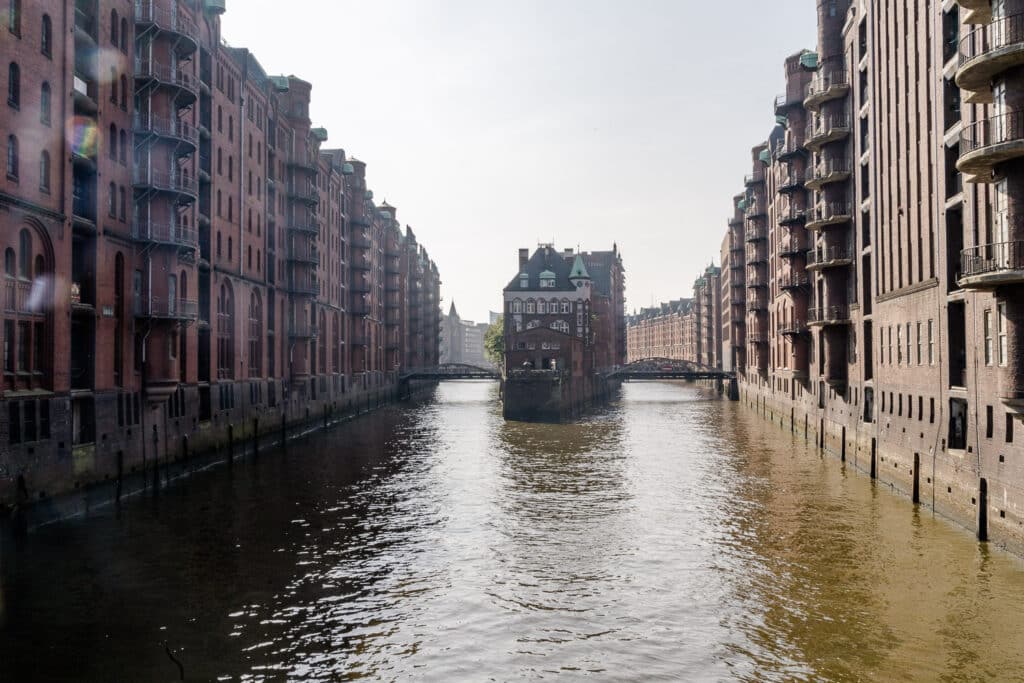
756	234
987	51
756	254
790	181
792	246
306	195
792	215
826	86
754	178
304	287
305	225
361	264
163	181
151	15
168	309
828	257
304	253
785	102
828	315
793	281
825	129
988	143
976	11
992	265
156	74
829	213
165	234
790	149
793	328
169	128
829	171
755	210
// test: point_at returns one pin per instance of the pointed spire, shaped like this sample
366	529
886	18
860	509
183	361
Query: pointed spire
579	270
452	313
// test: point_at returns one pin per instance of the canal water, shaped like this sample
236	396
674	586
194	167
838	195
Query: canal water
667	537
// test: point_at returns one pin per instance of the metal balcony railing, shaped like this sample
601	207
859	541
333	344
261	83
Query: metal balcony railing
168	127
1007	127
823	256
165	74
828	314
793	281
993	37
160	15
826	82
829	212
165	233
168	309
143	176
993	259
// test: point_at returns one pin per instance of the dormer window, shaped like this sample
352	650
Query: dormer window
547	280
524	282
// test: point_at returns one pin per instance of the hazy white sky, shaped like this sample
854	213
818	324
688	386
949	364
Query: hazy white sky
494	124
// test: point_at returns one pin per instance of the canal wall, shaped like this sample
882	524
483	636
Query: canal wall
905	451
547	396
123	463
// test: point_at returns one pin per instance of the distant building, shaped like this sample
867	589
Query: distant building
663	331
462	341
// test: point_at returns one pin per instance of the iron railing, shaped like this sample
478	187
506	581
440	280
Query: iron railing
988	38
165	233
995	257
826	314
992	131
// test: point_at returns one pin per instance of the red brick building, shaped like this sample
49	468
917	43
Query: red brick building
882	288
181	252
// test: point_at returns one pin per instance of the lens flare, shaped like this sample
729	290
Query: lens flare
82	136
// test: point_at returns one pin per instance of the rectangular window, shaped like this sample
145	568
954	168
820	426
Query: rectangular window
988	422
1009	428
931	342
8	346
44	419
1001	332
919	342
908	345
931	411
24	344
986	327
899	344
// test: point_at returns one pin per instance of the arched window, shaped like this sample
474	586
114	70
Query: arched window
122	141
230	209
255	335
542	306
124	93
517	306
12	157
44	171
113	85
231	250
14	85
25	254
219	197
46	39
112	142
124	35
14	17
44	103
114	24
531	307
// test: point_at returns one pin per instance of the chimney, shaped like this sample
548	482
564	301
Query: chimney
568	252
524	256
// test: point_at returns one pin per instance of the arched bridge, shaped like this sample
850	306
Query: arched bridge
666	368
449	371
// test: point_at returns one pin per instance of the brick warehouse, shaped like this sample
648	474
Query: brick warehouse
872	294
182	254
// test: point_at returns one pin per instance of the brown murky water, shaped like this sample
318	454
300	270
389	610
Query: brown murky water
665	538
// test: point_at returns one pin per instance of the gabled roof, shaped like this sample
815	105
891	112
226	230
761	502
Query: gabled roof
545	259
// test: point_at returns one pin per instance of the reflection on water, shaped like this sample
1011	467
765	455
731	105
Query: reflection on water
666	537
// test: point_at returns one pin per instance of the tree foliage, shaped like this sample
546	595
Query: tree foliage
494	342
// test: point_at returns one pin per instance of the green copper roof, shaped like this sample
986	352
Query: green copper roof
765	157
319	133
547	275
579	269
782	121
742	204
809	60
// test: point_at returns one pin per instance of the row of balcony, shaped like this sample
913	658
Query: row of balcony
989	142
987	51
174	21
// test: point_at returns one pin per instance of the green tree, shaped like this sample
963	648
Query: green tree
494	342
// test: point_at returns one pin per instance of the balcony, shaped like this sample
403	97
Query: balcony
829	257
303	330
793	328
756	254
360	286
988	143
828	315
304	287
986	52
304	253
85	27
307	194
756	233
790	181
165	234
992	265
793	281
826	86
976	11
757	338
756	209
303	164
754	178
785	102
829	171
170	128
361	264
829	213
163	181
156	74
308	226
792	246
150	14
360	241
168	309
825	129
792	215
84	92
790	148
